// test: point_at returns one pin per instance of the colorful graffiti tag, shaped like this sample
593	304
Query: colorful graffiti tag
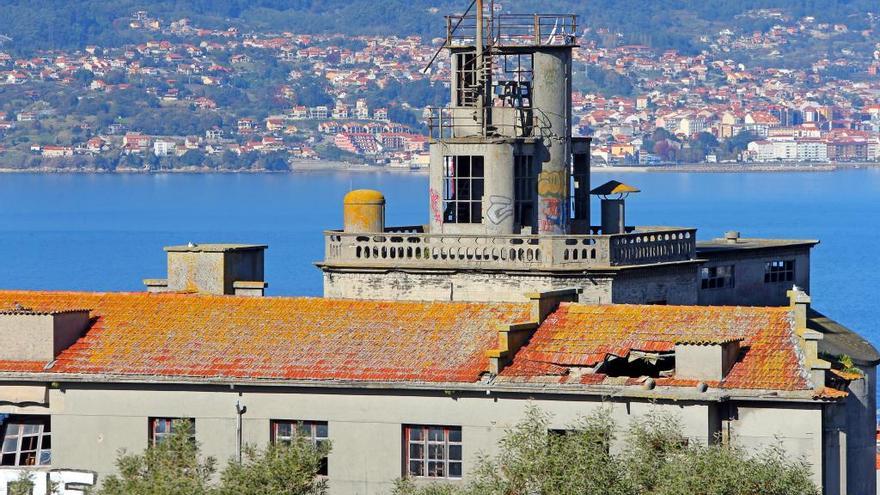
551	204
436	211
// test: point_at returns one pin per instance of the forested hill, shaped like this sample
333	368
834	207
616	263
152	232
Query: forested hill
66	24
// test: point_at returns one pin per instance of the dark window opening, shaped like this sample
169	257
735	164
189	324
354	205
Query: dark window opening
25	441
432	451
778	271
581	185
463	189
525	185
717	277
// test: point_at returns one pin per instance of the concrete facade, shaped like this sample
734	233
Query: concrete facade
749	286
91	423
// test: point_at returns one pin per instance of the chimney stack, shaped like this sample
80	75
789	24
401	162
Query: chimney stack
230	269
613	209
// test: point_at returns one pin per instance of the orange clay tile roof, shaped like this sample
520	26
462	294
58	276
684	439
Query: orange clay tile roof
22	366
274	338
578	335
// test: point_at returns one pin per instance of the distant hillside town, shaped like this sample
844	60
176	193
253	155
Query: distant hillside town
223	99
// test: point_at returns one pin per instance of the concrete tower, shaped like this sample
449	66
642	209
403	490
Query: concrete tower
502	151
509	190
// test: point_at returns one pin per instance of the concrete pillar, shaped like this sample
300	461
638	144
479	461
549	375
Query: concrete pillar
552	103
498	200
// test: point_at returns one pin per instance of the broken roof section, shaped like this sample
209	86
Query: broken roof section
193	338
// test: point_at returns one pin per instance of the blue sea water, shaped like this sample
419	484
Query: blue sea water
106	232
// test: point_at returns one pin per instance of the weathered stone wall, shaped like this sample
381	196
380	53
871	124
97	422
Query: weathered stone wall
670	285
470	286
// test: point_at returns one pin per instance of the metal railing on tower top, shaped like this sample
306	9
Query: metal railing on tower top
513	30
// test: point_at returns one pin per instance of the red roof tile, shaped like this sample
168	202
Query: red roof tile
578	335
274	338
21	366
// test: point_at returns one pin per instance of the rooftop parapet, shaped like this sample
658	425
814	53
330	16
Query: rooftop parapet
411	247
513	30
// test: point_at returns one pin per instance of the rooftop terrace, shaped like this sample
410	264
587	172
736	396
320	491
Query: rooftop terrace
414	248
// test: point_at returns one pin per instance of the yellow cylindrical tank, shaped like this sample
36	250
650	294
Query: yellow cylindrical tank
363	210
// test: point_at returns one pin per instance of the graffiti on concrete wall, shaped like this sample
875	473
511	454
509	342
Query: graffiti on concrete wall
551	204
435	206
550	217
65	481
500	209
551	184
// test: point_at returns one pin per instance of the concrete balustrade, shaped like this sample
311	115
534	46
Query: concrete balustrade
407	247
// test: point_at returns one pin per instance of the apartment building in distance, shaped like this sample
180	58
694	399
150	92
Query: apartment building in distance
430	340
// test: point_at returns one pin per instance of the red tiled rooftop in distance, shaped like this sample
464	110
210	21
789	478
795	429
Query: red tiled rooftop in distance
275	338
578	335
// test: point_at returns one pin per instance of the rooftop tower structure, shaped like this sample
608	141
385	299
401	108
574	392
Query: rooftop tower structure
509	194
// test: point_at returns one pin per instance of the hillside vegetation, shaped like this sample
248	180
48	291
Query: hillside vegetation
67	24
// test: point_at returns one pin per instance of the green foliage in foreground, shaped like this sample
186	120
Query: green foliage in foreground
175	467
654	458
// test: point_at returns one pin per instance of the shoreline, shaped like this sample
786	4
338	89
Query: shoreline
333	166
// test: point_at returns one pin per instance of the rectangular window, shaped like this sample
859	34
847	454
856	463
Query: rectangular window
463	189
716	277
26	441
317	432
778	271
432	451
162	428
525	189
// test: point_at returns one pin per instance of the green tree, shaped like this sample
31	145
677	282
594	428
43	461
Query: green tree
280	469
170	467
657	459
24	485
174	466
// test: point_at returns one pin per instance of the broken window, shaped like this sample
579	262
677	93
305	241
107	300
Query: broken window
432	451
778	271
463	189
512	80
316	432
162	428
717	277
25	441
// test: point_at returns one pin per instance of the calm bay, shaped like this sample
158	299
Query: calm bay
106	232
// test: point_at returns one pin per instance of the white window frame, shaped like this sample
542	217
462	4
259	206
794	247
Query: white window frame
427	456
19	428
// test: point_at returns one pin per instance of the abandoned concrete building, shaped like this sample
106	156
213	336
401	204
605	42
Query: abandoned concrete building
430	340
